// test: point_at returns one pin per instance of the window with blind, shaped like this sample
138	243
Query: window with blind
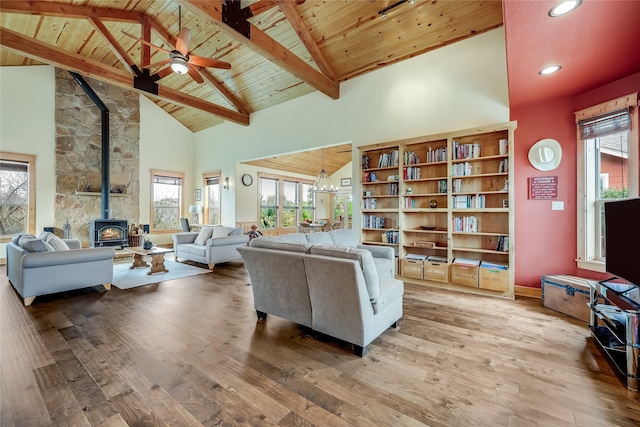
166	192
212	201
607	170
17	200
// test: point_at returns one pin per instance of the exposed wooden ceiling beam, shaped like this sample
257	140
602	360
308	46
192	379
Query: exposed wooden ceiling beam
40	51
262	6
290	12
211	81
117	50
69	10
266	46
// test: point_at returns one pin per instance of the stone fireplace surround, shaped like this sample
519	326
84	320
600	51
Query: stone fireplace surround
78	155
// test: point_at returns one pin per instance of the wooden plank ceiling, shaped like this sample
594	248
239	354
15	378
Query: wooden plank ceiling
309	162
292	48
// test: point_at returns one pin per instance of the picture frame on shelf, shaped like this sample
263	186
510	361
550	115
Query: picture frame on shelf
345	182
198	195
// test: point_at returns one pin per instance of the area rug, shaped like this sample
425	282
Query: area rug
126	278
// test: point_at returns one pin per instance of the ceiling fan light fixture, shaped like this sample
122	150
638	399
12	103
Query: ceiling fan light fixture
549	70
179	65
564	8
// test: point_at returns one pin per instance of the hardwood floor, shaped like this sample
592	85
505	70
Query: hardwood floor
191	352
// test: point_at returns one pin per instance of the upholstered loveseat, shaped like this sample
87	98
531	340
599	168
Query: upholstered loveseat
326	282
211	245
35	267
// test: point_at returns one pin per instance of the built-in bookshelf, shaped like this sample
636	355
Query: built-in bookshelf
450	200
380	199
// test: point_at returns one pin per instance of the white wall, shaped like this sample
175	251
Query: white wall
167	145
456	87
27	126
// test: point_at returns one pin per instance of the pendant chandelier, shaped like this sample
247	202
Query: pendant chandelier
322	183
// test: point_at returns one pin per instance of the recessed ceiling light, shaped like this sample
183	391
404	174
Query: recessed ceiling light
564	7
549	70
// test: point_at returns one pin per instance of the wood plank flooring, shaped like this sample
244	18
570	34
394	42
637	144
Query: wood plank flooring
190	352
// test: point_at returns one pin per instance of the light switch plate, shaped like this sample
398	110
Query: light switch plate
557	206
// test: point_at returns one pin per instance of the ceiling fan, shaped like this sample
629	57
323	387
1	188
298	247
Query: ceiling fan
180	60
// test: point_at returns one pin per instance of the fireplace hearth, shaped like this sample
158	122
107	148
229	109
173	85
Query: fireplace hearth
109	232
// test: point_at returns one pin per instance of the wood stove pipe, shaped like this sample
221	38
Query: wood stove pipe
105	142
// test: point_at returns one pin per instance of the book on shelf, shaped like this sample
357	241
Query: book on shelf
442	186
477	201
366	161
467	262
504	166
411	158
418	257
437	155
388	159
504	147
494	265
412	173
503	244
465	151
461	169
466	224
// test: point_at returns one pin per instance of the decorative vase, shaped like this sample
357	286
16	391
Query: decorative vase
433	203
147	244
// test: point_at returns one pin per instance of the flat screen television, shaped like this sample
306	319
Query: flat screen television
622	239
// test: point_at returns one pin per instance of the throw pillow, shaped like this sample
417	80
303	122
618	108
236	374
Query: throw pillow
203	236
37	245
220	231
57	243
24	238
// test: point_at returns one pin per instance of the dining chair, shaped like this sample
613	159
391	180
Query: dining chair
184	223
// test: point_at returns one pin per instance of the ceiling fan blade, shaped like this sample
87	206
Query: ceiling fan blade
146	42
208	62
158	64
195	75
184	38
164	72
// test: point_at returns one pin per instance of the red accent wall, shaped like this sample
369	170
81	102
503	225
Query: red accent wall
546	240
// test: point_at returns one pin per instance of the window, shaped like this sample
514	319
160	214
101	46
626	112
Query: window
289	204
284	202
268	195
607	170
308	203
342	207
212	198
166	197
17	194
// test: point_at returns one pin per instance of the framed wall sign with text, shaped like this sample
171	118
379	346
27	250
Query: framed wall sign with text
345	182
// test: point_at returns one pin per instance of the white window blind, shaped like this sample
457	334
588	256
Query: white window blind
605	124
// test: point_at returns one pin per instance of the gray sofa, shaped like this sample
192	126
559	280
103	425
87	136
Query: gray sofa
34	274
214	250
327	282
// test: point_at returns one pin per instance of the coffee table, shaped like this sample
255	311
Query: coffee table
157	258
